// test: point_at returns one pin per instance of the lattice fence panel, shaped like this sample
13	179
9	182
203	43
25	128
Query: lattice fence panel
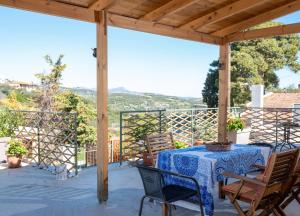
180	123
50	137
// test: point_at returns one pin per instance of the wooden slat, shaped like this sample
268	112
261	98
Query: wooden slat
146	26
99	5
167	9
224	91
102	107
52	8
261	18
264	32
220	14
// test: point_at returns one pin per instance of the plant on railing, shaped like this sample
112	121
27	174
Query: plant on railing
180	145
235	124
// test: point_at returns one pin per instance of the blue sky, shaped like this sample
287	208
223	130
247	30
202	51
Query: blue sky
137	61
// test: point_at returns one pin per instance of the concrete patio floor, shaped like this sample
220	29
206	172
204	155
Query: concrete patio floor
30	191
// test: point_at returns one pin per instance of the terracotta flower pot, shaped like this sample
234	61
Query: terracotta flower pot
14	162
148	161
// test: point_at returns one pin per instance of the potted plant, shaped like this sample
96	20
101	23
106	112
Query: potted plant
15	152
236	132
8	123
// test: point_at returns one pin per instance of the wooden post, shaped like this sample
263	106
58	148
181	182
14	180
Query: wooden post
224	91
102	114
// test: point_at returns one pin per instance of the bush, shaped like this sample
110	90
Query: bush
9	121
16	148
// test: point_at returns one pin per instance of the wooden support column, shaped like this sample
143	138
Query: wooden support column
224	90
102	110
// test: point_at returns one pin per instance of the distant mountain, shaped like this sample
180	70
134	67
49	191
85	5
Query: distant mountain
119	90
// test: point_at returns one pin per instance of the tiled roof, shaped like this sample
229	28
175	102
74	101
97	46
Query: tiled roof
281	100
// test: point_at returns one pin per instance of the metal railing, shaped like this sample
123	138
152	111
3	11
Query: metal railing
187	125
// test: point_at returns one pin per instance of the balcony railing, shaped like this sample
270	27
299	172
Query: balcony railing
266	125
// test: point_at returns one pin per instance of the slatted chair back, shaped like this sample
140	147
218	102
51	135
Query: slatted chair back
280	167
157	143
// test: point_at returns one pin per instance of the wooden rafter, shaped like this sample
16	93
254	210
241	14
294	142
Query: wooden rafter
220	14
261	18
52	8
99	5
155	28
167	9
264	32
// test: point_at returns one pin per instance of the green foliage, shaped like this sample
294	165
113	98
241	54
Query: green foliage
180	145
235	124
9	121
254	62
16	148
50	82
141	131
86	115
210	90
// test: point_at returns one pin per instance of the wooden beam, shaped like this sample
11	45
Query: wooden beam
220	14
261	18
100	5
224	91
102	107
167	9
52	8
264	32
160	29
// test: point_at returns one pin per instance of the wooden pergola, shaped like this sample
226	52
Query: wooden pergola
216	22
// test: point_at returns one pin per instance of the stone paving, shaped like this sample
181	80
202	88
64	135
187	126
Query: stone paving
30	191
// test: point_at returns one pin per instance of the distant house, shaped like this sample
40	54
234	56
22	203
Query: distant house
22	85
280	100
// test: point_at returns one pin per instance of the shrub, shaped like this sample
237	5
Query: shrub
16	148
9	121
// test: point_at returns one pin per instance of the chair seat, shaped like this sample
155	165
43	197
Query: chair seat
174	193
248	192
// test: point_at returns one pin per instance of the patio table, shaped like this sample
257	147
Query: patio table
207	167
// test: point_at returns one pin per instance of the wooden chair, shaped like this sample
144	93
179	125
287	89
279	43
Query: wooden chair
265	191
294	190
159	142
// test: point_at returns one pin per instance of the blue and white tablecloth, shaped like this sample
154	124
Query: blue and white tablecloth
207	167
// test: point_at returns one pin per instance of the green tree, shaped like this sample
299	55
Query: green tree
210	90
50	82
86	115
255	62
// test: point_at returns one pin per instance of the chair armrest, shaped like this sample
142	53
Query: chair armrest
258	166
244	178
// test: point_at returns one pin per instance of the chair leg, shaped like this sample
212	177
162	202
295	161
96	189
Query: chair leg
287	202
165	209
275	212
280	211
141	205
